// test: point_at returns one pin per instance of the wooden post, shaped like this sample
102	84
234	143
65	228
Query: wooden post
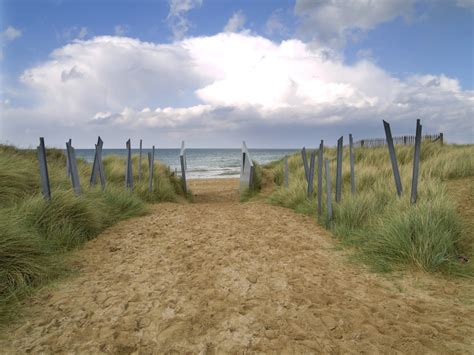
393	157
68	166
98	165
320	177
151	164
182	158
140	163
129	172
43	168
351	157
305	163
416	163
441	138
311	174
339	170
285	172
328	191
73	167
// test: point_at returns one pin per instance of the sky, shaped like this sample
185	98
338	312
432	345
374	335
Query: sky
275	73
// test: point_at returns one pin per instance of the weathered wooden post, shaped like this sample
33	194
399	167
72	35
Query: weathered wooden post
441	138
311	174
416	163
43	168
68	167
247	170
73	168
328	191
129	172
305	163
285	172
351	158
393	157
151	164
339	170
320	177
140	163
182	158
98	165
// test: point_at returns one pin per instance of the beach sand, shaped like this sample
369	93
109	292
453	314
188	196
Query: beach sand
219	276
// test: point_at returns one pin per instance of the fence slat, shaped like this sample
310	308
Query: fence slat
393	157
305	163
339	170
151	165
328	191
76	185
129	172
68	168
311	174
416	163
98	165
43	168
320	177
140	163
182	159
351	158
286	171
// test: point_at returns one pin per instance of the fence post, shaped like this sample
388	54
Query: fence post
416	163
73	168
339	170
43	168
351	157
182	158
286	171
305	163
362	143
328	191
98	166
129	172
311	174
320	177
441	138
140	163
68	166
151	164
393	157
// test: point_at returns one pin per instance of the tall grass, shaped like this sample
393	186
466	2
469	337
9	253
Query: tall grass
386	231
35	234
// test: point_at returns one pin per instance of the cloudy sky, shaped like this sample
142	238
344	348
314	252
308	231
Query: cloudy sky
277	73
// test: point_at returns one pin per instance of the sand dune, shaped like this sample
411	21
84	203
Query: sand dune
219	276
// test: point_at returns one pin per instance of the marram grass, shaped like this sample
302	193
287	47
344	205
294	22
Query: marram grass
35	234
387	232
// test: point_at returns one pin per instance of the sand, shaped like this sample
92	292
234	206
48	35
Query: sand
219	276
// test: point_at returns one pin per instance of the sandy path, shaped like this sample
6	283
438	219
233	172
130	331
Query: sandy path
218	276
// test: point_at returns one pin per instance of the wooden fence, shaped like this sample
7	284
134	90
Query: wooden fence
402	140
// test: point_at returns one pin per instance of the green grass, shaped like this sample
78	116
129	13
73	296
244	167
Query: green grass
35	235
248	193
387	232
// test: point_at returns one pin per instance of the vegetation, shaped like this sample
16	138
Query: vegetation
256	185
387	232
35	234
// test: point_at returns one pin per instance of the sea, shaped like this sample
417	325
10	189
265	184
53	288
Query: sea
201	163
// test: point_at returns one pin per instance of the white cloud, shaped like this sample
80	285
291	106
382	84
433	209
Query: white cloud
332	21
177	19
10	34
236	22
226	87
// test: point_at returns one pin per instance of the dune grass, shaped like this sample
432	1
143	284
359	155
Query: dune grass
35	234
387	232
257	177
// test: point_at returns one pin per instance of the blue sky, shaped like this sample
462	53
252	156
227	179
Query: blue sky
58	57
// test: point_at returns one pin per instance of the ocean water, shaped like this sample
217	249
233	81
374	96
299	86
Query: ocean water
201	163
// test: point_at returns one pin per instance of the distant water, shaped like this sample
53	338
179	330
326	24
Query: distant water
202	163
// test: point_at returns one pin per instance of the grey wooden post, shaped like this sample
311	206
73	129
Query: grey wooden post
393	157
98	165
129	171
43	168
351	158
76	185
339	170
441	138
68	167
320	177
182	158
151	164
328	191
140	163
305	163
286	171
311	174
416	163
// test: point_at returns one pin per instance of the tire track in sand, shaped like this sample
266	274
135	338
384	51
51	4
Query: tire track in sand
218	276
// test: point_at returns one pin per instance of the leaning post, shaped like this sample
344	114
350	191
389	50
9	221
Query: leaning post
339	170
305	163
182	159
68	166
351	158
320	177
128	173
328	191
73	168
393	157
43	168
416	163
311	174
